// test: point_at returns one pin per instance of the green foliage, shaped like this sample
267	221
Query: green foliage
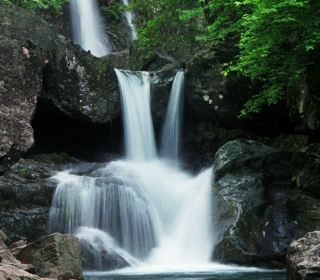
55	5
277	41
161	28
113	12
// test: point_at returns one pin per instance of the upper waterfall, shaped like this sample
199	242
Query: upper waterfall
172	126
129	17
87	27
138	128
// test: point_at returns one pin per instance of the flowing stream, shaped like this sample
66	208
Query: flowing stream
87	27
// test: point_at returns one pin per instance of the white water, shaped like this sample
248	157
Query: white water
172	126
153	211
129	17
98	241
138	128
87	27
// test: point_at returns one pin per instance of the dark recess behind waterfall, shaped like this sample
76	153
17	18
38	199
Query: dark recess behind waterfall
56	132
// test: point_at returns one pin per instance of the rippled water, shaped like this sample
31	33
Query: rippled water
193	276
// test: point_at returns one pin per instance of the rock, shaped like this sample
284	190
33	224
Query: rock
100	258
217	98
202	140
11	272
83	86
303	102
260	211
306	169
252	156
290	143
26	195
161	82
303	257
55	256
26	42
211	95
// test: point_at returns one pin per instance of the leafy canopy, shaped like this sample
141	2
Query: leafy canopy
55	5
276	40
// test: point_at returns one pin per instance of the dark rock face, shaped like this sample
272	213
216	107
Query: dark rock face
211	96
56	256
304	101
161	82
26	42
25	197
258	204
306	169
217	98
303	258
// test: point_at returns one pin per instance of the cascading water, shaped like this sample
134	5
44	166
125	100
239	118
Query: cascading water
129	17
138	128
87	27
143	206
172	125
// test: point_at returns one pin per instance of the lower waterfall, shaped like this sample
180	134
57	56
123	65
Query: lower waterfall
143	208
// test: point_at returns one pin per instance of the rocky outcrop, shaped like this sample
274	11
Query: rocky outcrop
83	86
26	194
257	204
306	169
56	256
303	258
26	42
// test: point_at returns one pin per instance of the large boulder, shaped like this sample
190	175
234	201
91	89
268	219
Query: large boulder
26	195
83	86
56	256
303	258
98	257
259	210
26	42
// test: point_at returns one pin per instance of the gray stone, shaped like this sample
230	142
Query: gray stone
303	258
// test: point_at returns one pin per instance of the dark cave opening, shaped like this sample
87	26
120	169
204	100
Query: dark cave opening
56	132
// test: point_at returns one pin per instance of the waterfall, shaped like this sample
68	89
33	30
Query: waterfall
172	125
138	128
87	27
129	17
143	208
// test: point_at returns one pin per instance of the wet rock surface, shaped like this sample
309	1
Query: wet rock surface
258	204
25	196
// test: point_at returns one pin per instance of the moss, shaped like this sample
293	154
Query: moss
52	158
